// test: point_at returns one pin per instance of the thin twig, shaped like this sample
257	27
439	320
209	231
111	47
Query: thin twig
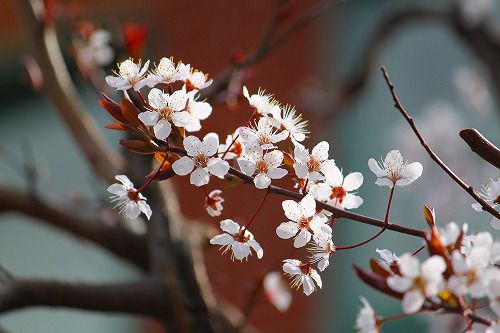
432	154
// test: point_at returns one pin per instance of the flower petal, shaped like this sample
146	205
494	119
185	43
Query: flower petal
149	118
320	151
199	177
162	129
302	239
308	206
210	144
412	301
229	226
292	210
192	145
218	167
287	230
262	181
222	239
183	166
277	173
353	181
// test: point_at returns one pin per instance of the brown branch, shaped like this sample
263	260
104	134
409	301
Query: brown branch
139	298
432	154
481	146
118	241
60	89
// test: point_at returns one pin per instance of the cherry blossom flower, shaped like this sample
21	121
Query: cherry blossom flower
287	119
213	203
394	170
262	103
417	281
470	272
239	239
165	73
236	150
389	259
303	221
167	109
129	75
366	320
96	50
198	109
200	159
266	165
335	190
321	250
196	80
262	133
491	194
302	274
129	202
276	291
312	166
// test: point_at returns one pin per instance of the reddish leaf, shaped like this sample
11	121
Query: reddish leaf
376	282
118	127
130	113
139	146
112	108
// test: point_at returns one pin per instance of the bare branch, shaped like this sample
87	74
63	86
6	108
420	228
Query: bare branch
481	146
432	154
61	91
116	240
139	298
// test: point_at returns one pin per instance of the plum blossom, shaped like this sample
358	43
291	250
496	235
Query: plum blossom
287	119
417	281
302	274
166	73
276	291
491	194
238	239
213	203
128	200
366	320
262	103
262	133
335	190
167	109
196	80
321	250
129	75
312	166
266	165
393	170
303	221
198	109
470	272
200	159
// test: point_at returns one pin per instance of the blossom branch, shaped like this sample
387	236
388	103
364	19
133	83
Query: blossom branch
481	146
60	89
118	241
432	154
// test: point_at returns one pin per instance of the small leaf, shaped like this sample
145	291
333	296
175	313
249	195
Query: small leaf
113	109
430	216
118	127
130	113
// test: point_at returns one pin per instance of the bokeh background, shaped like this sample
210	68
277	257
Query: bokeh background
439	79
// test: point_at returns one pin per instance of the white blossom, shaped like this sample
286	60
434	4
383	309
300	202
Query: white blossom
303	221
366	320
129	202
200	159
276	291
393	170
166	73
470	272
129	75
491	194
262	103
287	119
335	190
196	80
312	166
388	258
265	165
302	274
238	239
262	133
213	203
321	250
417	281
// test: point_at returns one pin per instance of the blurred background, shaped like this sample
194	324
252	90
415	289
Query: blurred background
329	69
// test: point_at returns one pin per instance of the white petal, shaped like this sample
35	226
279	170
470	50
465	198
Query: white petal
145	208
434	265
229	226
117	189
291	267
333	176
240	250
409	265
375	168
412	301
399	284
352	201
200	110
257	248
411	173
302	239
287	230
277	173
308	206
162	129
156	99
177	101
308	285
222	239
218	167
246	166
315	276
192	145
262	181
210	144
132	210
199	177
273	159
300	170
125	181
384	182
149	118
353	181
292	210
320	151
183	166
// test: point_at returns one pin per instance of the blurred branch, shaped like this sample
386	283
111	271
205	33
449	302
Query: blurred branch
61	91
118	241
432	154
139	298
481	146
267	44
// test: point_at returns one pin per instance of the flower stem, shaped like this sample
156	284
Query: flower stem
257	211
417	251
